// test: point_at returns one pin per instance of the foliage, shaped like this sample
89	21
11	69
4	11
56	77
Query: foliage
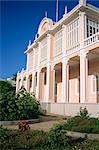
84	112
38	140
16	107
28	106
24	125
8	107
79	124
57	137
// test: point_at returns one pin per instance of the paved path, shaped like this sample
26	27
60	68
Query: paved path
45	126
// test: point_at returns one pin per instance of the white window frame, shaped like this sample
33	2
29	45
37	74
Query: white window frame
57	40
92	90
93	24
44	47
36	58
73	34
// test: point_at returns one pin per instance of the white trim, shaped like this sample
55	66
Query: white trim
92	91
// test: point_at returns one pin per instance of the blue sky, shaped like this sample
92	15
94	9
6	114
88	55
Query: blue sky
19	23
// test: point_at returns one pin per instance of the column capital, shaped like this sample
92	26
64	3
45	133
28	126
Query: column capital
66	61
63	26
49	35
82	13
82	53
85	54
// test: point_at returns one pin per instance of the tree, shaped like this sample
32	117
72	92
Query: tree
8	107
22	105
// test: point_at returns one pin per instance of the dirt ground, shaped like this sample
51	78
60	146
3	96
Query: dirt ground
45	126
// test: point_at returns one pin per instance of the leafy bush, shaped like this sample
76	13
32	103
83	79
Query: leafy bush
28	106
57	137
79	124
8	107
16	107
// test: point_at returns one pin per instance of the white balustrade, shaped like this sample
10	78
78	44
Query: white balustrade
92	39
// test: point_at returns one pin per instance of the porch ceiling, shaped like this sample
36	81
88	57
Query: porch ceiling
94	54
74	61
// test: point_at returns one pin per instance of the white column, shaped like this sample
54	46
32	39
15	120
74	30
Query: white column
49	36
83	77
27	83
48	83
37	88
33	82
38	72
53	84
17	82
63	40
82	28
65	81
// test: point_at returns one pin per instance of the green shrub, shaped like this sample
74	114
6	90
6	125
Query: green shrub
16	107
28	106
79	124
57	137
8	107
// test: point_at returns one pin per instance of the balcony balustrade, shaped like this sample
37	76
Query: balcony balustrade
92	39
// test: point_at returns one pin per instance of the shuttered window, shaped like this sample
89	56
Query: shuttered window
44	49
73	34
58	43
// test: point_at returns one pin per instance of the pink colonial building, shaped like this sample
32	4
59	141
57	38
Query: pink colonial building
63	62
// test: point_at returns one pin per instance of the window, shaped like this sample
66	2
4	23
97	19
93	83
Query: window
44	78
58	43
92	26
36	57
73	34
36	79
95	83
30	60
44	49
55	88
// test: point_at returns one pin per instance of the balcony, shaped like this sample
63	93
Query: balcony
91	40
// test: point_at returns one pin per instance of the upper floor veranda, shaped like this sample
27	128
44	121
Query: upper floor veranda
77	30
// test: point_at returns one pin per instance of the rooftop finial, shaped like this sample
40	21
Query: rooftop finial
65	9
29	42
82	2
46	14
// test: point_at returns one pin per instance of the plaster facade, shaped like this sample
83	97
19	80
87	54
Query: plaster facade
63	62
